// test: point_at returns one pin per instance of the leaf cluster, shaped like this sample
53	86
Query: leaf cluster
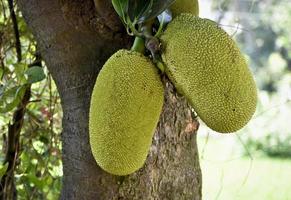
135	13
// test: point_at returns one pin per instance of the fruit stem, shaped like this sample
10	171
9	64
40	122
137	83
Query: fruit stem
161	66
159	63
161	26
138	45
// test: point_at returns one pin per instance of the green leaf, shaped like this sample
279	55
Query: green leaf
19	70
139	11
35	180
121	7
44	139
145	10
11	98
35	74
3	169
137	8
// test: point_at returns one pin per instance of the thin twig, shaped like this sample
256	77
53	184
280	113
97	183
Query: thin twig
250	165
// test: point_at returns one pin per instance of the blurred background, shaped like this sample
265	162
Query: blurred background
253	164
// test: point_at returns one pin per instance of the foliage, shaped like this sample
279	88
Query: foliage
133	12
38	166
272	145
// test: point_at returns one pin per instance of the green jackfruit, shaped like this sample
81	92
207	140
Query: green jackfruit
125	106
185	6
208	68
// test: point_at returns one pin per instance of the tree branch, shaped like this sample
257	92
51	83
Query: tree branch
8	190
7	187
16	30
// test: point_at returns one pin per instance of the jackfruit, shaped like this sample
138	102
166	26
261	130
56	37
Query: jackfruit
185	6
207	67
126	102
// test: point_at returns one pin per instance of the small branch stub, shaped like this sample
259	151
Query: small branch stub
138	45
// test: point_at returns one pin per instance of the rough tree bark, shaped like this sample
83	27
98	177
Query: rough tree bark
75	38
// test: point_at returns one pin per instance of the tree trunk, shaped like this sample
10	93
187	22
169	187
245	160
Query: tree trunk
75	38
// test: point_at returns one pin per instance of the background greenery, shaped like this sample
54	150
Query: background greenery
252	164
38	169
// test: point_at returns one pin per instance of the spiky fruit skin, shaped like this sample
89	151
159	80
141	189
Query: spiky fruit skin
185	6
208	68
125	106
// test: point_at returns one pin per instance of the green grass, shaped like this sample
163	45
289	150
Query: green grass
228	175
